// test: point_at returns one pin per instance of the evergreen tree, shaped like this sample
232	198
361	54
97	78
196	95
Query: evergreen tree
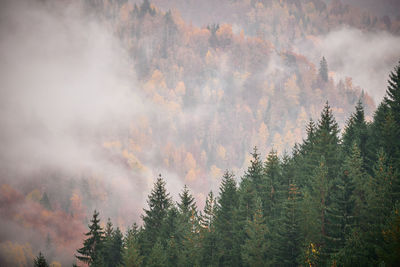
356	131
289	231
256	249
313	221
186	235
131	254
40	261
116	248
393	93
207	233
253	185
159	203
392	128
187	205
275	186
91	250
208	216
157	257
323	69
390	252
224	221
172	235
327	141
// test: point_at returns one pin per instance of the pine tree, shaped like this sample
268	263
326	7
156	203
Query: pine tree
289	239
40	261
327	141
159	203
356	131
157	256
116	248
393	93
172	235
131	254
90	252
207	233
224	221
313	221
392	128
275	186
208	216
390	253
253	185
187	204
323	69
256	249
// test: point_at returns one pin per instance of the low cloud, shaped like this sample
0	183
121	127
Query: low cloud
367	57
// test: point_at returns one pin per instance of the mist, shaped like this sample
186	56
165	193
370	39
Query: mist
366	57
94	107
66	88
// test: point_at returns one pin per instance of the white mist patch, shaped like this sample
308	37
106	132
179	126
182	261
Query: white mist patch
66	87
367	57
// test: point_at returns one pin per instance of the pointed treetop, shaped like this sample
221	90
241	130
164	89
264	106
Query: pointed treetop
109	228
327	122
187	203
359	115
393	92
40	261
323	69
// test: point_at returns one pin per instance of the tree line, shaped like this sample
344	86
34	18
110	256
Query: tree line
334	201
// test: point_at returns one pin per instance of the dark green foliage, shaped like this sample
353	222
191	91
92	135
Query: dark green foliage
331	203
159	202
40	261
187	204
131	254
256	249
224	221
356	132
92	246
208	249
289	238
158	256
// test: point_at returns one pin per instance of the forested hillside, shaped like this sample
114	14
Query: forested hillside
98	97
334	201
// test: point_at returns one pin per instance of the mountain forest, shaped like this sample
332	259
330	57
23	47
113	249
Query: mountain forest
334	201
199	133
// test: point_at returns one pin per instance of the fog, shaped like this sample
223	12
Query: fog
71	106
66	87
366	57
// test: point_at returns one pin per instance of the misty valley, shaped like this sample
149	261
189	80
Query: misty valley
199	133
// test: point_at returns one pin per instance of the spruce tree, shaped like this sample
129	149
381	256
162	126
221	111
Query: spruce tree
313	221
356	131
327	141
323	69
157	256
159	203
289	239
187	204
275	185
393	93
256	249
40	261
224	221
207	241
131	254
92	246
